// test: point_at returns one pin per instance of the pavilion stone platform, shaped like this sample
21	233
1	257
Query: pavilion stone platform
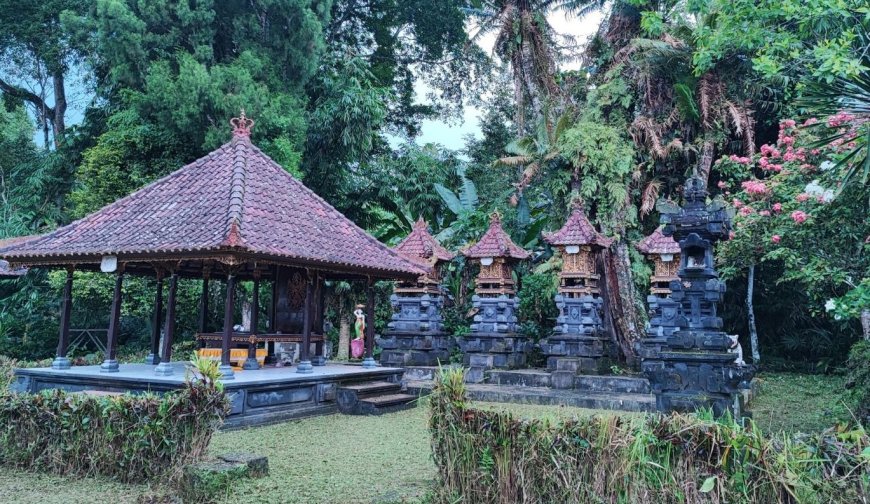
257	397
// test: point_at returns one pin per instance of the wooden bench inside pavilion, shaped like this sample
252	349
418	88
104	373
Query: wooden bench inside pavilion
231	216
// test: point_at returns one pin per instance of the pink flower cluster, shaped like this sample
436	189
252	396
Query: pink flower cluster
775	238
747	210
798	216
802	197
839	119
740	160
777	207
769	151
755	187
737	203
722	184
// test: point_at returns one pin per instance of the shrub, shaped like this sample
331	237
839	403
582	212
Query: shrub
858	369
489	457
537	310
126	437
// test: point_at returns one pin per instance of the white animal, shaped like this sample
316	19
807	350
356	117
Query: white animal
736	348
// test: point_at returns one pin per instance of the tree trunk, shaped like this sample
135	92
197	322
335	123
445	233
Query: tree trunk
624	313
705	162
753	333
58	121
865	323
342	352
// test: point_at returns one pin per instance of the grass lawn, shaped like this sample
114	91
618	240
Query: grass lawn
349	459
797	402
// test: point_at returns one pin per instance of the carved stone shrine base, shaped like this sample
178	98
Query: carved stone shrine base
483	351
694	369
416	313
495	314
578	315
415	349
577	354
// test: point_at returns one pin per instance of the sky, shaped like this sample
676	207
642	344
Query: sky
450	134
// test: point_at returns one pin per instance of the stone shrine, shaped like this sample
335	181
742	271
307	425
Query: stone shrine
578	344
414	336
689	364
493	342
665	254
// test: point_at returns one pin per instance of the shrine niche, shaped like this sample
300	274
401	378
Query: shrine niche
414	335
493	342
690	362
578	344
665	255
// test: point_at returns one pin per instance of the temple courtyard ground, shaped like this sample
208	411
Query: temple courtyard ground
385	459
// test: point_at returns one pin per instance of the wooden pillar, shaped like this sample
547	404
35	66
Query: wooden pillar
304	359
110	363
226	342
251	361
163	367
317	320
203	305
154	355
61	361
369	360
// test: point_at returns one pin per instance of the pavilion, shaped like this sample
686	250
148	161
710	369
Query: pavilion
233	215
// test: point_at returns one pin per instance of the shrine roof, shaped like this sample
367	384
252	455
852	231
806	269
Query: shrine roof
235	200
420	246
577	231
658	243
495	243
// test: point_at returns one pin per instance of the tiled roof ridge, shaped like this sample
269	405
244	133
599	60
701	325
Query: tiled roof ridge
329	208
236	206
658	243
502	241
422	238
577	230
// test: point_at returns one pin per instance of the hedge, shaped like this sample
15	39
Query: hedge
127	437
492	457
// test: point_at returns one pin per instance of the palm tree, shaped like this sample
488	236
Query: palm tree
525	39
682	112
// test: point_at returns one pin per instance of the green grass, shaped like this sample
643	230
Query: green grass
31	487
386	459
796	402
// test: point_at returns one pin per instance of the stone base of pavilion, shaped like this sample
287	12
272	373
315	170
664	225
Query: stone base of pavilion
267	395
415	348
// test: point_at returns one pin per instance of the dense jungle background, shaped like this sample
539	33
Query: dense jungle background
768	104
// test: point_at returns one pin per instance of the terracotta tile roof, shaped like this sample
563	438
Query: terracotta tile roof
5	270
495	243
577	231
235	199
657	243
421	247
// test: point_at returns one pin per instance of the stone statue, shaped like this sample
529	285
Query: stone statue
357	346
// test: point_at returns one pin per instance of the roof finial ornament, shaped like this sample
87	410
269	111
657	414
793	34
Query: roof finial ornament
242	125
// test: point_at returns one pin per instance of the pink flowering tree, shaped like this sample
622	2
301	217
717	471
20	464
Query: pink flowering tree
788	222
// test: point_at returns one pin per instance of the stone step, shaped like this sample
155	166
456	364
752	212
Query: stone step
519	377
374	388
547	396
386	404
610	384
424	372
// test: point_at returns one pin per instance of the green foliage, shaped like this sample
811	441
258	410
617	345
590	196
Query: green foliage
858	378
792	226
488	456
786	38
537	311
126	437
